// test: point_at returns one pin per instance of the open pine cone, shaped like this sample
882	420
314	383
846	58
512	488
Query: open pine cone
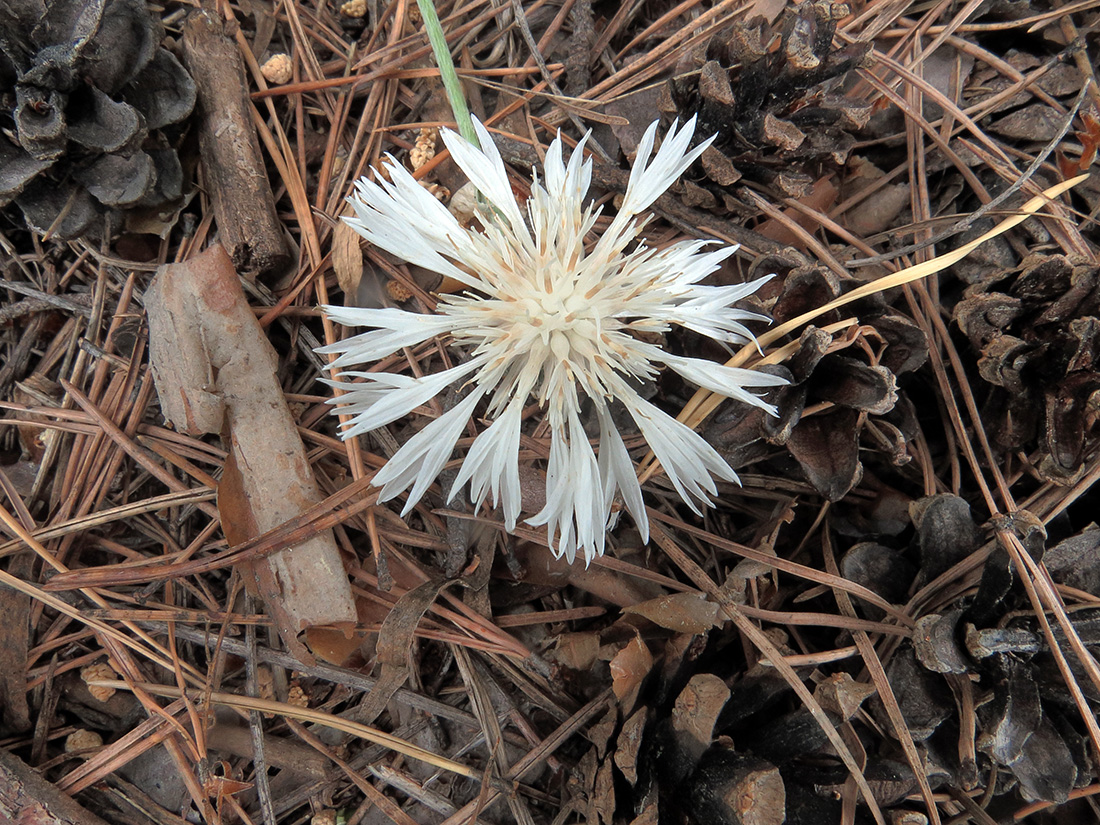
85	92
777	111
1038	332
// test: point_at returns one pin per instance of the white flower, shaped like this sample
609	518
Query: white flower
546	319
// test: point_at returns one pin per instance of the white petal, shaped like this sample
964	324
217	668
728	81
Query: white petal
387	397
556	470
407	221
688	460
486	171
618	473
554	167
423	456
648	181
394	329
574	501
728	381
578	176
567	184
493	464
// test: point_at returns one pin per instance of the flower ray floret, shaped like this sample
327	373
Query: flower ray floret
550	319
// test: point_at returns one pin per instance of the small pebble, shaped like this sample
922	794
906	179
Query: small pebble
278	69
354	8
99	671
82	740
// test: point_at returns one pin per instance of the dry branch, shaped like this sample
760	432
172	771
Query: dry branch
27	798
216	373
234	167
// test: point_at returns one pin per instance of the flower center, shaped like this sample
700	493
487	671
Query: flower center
557	311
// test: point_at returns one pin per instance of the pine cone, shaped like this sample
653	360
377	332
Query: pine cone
85	93
829	448
776	112
1038	332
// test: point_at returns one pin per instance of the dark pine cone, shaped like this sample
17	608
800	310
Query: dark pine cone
1038	331
774	105
857	415
85	93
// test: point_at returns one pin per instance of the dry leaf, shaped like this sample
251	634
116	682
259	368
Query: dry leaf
603	793
577	651
682	612
628	669
696	712
82	740
842	695
347	258
395	639
629	743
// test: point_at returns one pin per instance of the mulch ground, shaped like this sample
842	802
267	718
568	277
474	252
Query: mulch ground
892	619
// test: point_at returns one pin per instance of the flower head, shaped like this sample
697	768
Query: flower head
551	319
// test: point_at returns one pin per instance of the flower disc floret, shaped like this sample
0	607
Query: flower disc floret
550	319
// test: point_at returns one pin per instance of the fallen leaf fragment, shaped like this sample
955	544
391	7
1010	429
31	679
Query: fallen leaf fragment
347	258
682	612
695	713
577	651
629	667
629	743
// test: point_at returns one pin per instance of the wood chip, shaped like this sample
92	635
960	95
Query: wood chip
216	372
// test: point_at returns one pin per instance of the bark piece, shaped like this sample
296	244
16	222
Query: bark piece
234	167
15	625
215	372
27	798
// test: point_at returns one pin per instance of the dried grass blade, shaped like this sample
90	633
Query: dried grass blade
373	735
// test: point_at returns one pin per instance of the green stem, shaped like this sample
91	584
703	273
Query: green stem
451	83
